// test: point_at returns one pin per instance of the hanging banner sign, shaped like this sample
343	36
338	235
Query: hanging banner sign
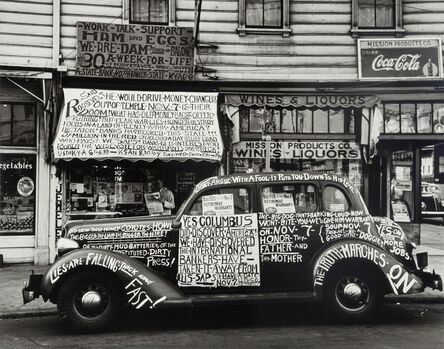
104	124
297	101
132	51
413	58
297	150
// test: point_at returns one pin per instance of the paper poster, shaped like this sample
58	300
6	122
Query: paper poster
219	251
278	202
115	124
218	204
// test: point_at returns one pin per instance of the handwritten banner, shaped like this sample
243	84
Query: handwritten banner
219	251
132	51
296	150
103	124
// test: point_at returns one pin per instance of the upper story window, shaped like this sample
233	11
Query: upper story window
17	124
263	13
149	11
377	17
264	17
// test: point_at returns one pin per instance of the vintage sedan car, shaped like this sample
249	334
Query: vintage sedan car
285	236
432	200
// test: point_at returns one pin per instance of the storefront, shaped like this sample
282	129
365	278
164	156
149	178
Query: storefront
24	171
303	132
113	146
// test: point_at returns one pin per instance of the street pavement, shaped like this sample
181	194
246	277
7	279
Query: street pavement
406	326
13	276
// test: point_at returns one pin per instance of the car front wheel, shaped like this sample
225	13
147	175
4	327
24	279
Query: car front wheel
89	300
353	295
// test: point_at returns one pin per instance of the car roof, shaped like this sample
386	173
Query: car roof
282	176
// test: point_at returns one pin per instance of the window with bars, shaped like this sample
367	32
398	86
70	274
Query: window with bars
149	11
404	118
281	120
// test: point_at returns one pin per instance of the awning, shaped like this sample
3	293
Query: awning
138	125
298	101
28	74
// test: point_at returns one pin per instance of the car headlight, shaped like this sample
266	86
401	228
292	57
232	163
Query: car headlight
64	245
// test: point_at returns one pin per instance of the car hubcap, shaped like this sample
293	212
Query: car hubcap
91	301
352	294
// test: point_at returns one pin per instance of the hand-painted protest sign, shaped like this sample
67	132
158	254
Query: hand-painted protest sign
219	251
103	124
132	51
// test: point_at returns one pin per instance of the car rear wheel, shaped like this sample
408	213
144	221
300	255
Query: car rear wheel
353	295
89	301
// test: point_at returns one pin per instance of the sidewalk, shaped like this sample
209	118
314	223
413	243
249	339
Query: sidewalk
12	278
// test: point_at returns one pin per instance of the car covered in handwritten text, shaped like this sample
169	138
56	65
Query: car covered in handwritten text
284	236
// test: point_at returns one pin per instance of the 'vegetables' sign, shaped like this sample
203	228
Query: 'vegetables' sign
134	51
105	124
413	58
296	150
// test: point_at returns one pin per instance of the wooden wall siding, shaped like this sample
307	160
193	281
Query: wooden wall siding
73	11
319	48
26	33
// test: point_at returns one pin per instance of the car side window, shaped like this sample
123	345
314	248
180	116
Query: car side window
222	201
289	198
334	199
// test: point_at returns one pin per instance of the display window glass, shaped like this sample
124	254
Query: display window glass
297	120
401	186
409	118
18	124
120	189
17	194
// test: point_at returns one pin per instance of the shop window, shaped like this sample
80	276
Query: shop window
289	198
149	11
278	120
401	187
224	201
320	121
17	124
17	194
376	17
334	200
406	118
264	17
391	118
305	121
438	118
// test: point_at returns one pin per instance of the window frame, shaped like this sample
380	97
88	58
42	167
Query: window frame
171	15
190	204
396	30
27	146
284	29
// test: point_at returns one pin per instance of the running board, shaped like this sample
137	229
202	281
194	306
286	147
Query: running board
251	298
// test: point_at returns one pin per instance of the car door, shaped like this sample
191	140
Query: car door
218	243
289	227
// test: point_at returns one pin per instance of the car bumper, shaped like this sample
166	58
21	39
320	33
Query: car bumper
432	280
31	290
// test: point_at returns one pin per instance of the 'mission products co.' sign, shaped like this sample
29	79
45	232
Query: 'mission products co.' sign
134	51
414	58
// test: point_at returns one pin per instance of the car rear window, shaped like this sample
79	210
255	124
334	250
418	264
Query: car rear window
289	198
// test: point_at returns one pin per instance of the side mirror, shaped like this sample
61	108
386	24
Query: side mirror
176	225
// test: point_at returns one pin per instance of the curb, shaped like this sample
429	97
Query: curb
14	314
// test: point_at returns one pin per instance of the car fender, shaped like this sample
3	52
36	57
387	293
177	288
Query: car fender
144	288
399	278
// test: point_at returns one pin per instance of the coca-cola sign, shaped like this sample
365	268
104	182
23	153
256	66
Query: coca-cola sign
415	58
